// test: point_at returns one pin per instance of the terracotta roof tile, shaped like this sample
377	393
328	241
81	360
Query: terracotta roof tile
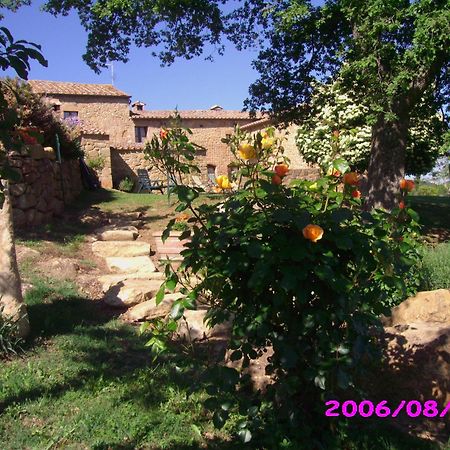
197	114
66	88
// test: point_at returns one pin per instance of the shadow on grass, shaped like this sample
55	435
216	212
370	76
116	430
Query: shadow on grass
434	211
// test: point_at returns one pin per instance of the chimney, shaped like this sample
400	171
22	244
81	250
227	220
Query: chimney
137	106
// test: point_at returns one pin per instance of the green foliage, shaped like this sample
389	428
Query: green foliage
337	126
435	267
10	343
300	269
424	188
126	185
96	163
17	54
33	112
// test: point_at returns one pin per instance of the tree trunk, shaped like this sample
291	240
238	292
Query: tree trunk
11	300
387	163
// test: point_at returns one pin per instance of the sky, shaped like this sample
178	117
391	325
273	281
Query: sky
193	84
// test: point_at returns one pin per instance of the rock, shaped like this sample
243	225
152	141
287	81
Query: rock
17	189
120	234
26	201
141	265
426	306
110	280
418	358
131	292
149	310
107	249
194	328
19	217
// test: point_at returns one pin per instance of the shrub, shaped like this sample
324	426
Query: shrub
126	184
432	189
436	267
34	112
96	163
304	271
10	343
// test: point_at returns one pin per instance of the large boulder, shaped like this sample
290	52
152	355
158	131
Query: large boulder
131	292
106	249
136	264
426	306
150	310
417	363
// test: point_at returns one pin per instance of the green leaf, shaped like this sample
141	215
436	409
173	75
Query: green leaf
160	294
341	164
219	418
245	435
177	311
144	327
196	430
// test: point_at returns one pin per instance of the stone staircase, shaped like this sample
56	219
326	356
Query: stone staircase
133	282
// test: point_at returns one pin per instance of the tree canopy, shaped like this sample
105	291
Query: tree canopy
393	56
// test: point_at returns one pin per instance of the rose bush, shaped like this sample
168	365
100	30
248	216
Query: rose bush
303	271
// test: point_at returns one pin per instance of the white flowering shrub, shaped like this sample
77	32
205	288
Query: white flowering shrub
338	127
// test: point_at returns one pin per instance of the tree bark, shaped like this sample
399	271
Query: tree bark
387	163
11	300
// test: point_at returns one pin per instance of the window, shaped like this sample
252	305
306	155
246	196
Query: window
70	114
211	173
140	134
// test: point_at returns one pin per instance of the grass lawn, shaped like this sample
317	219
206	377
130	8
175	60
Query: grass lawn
87	381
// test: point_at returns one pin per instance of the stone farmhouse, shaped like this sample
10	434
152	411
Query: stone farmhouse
114	130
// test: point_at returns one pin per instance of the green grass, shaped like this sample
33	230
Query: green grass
434	212
112	200
87	381
436	266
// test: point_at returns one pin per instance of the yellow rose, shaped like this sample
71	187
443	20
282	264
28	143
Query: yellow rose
312	232
267	142
223	182
247	151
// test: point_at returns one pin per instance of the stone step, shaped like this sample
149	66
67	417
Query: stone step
149	310
111	279
119	234
131	292
106	249
141	265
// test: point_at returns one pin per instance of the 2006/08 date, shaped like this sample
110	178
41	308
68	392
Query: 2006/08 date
367	408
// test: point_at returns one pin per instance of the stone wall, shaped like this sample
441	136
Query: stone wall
38	197
99	146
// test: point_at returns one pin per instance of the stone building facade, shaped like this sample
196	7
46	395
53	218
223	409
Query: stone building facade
114	131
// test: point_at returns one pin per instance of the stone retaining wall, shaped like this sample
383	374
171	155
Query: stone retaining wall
38	197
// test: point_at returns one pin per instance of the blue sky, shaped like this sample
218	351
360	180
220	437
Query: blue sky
194	84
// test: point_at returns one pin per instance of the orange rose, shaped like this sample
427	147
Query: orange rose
223	182
276	179
351	178
356	194
163	133
401	205
281	170
247	151
312	232
407	185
